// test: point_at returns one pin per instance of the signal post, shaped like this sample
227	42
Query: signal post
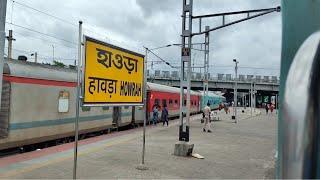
183	147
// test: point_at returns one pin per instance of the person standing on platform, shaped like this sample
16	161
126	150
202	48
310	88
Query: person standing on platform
164	115
267	108
226	108
271	108
155	115
207	123
220	106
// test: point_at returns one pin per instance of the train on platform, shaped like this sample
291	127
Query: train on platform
38	105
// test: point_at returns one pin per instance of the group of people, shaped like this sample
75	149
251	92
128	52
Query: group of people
206	114
164	115
269	106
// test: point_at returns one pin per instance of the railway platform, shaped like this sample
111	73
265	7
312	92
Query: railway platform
242	150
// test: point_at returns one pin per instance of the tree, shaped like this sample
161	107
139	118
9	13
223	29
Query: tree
58	64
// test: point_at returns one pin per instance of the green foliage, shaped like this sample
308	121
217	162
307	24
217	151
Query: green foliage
59	64
84	108
72	67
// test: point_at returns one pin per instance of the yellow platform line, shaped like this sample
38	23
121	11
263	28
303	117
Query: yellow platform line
70	156
57	160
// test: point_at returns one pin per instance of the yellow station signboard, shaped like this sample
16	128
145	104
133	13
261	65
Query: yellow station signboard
112	75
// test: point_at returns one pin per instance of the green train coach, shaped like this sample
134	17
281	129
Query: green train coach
214	99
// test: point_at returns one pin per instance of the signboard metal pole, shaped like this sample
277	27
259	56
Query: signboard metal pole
77	104
145	105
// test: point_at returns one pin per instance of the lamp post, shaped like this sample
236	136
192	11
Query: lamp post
142	167
147	50
235	91
161	47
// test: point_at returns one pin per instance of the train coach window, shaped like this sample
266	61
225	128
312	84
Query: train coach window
84	108
164	102
106	108
126	107
185	102
170	101
176	101
156	102
63	102
191	103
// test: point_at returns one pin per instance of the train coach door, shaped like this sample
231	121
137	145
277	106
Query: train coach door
116	116
148	106
140	114
5	109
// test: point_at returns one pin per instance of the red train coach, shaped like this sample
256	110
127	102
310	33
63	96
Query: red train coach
170	96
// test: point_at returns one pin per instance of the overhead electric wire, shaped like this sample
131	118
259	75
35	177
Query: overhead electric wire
42	33
20	50
166	62
62	20
53	16
50	15
46	40
11	11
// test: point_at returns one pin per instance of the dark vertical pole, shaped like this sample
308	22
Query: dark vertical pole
77	104
206	65
145	106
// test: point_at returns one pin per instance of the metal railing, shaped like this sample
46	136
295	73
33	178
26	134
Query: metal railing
216	79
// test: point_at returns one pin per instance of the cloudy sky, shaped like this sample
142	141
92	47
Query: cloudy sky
133	24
